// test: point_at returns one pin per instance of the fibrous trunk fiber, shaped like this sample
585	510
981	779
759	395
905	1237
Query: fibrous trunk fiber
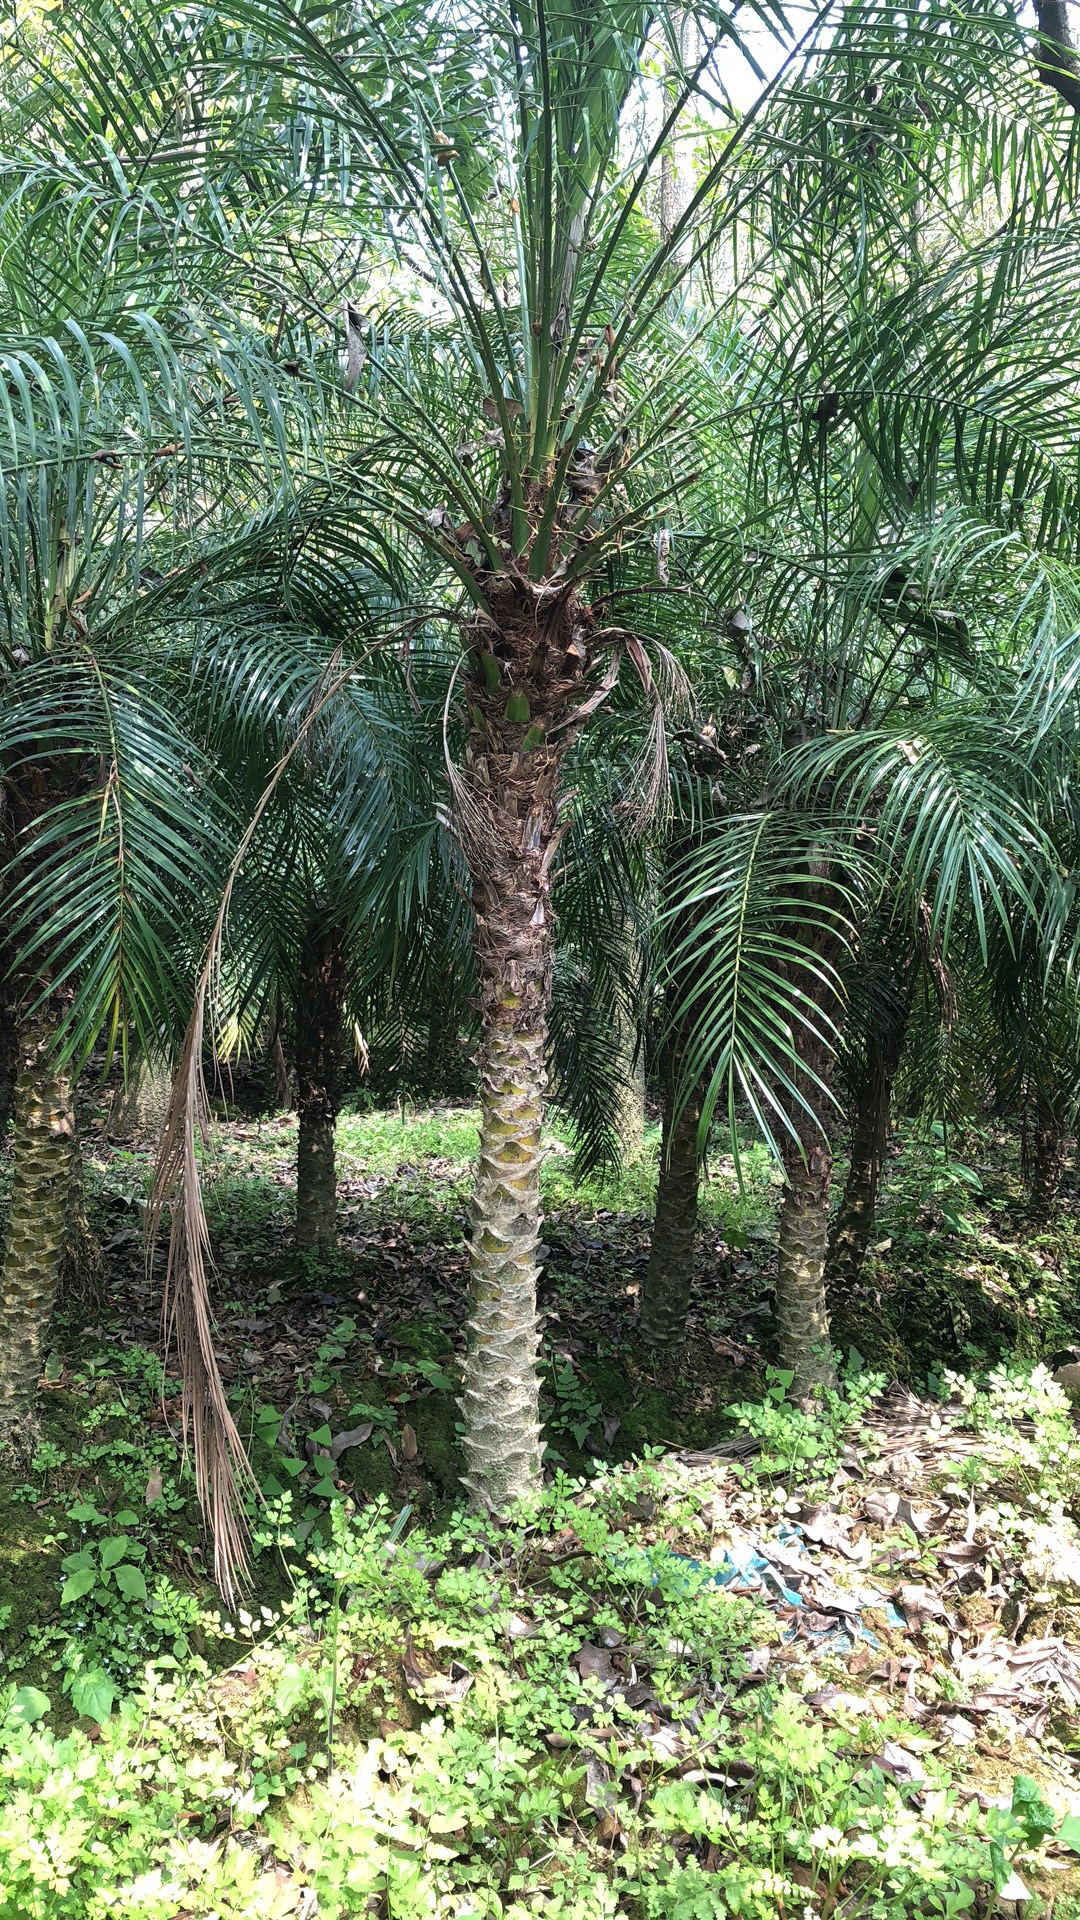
42	1144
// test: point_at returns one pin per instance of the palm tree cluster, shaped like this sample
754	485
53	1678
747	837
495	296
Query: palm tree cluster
520	526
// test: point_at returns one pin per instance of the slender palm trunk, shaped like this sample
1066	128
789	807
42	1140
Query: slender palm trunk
631	1071
802	1314
1044	1149
854	1223
140	1106
277	1079
81	1285
442	1054
669	1276
42	1139
527	666
670	1272
630	1054
319	1020
9	1063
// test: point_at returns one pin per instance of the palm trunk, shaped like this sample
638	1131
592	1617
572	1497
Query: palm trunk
854	1223
669	1275
140	1106
319	1018
802	1315
43	1134
1044	1149
442	1056
630	1050
670	1272
81	1285
9	1063
631	1074
277	1081
527	667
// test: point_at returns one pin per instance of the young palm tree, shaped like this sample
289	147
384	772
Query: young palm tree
525	216
126	420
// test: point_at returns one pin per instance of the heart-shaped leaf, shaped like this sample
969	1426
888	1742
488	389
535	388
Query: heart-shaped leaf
130	1582
28	1705
93	1694
77	1584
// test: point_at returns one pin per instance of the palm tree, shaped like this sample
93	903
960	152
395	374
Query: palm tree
513	177
130	413
527	223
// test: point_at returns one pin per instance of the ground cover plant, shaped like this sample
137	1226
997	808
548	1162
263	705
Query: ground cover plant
742	1657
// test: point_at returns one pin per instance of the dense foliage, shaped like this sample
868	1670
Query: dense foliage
538	568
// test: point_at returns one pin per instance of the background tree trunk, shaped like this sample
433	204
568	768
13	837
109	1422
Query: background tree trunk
43	1134
670	1272
443	1074
631	1072
854	1223
802	1317
802	1314
9	1062
319	1046
1044	1149
631	1055
81	1285
139	1108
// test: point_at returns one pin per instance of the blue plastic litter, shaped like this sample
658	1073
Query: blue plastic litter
744	1566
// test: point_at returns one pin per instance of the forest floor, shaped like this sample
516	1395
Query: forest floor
740	1658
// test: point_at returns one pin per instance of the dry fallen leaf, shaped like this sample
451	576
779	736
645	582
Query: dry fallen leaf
594	1663
355	1437
408	1443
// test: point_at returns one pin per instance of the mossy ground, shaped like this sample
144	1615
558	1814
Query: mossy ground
944	1287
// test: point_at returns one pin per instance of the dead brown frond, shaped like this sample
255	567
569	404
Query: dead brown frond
221	1464
222	1471
667	692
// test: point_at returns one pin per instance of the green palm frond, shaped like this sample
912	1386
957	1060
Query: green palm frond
100	889
759	970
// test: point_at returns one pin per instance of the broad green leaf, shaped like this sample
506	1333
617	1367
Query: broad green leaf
293	1687
28	1705
75	1562
130	1582
93	1694
114	1549
77	1585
